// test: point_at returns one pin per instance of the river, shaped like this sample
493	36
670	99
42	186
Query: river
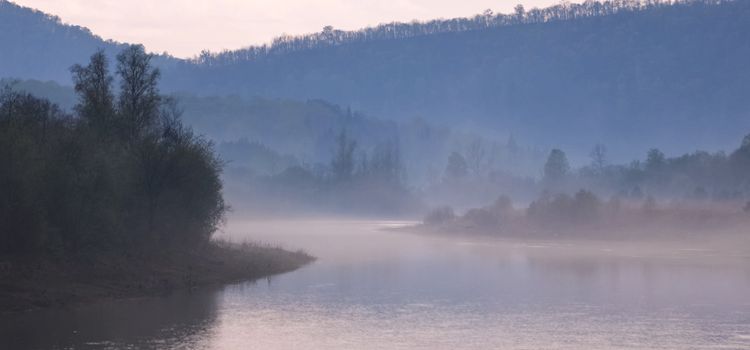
374	288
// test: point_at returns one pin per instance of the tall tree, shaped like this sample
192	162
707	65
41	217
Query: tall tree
139	99
556	167
342	164
740	164
655	160
456	167
93	84
598	158
475	156
385	164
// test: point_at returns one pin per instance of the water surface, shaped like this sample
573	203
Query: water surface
379	289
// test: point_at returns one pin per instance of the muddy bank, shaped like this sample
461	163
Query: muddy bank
27	283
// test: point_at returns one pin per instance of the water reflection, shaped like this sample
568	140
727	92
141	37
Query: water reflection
374	289
138	322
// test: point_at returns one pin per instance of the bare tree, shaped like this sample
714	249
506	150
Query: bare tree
475	156
598	158
342	164
93	84
139	100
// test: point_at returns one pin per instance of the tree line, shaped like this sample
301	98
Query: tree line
695	191
356	180
330	36
119	174
697	175
472	175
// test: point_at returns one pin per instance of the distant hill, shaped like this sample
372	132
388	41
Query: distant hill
267	135
36	45
631	75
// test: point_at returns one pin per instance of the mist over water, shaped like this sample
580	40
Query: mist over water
375	288
569	177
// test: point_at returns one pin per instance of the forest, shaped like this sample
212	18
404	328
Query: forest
330	36
569	177
690	195
622	70
279	154
123	172
116	198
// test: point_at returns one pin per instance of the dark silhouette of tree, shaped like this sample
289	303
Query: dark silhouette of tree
456	168
502	66
439	216
655	160
332	37
342	165
598	158
66	189
476	156
583	208
385	165
556	167
93	84
740	164
139	98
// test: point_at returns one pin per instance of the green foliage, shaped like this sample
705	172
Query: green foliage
124	175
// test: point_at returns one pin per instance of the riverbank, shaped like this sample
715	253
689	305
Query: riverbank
27	283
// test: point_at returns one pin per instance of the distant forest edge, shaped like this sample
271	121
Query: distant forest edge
281	148
265	136
631	74
330	36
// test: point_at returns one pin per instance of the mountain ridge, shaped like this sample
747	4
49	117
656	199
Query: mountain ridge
669	75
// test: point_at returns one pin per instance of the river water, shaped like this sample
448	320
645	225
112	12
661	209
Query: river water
373	288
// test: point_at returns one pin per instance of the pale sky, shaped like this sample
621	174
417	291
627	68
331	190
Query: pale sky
184	28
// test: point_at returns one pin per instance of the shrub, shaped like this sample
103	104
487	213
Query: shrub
440	215
584	207
502	206
481	217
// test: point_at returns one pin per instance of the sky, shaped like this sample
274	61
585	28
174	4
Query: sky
184	28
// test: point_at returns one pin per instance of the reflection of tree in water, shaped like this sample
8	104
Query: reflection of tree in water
157	322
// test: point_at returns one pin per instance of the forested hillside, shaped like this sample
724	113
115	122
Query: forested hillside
266	136
36	45
628	74
671	76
